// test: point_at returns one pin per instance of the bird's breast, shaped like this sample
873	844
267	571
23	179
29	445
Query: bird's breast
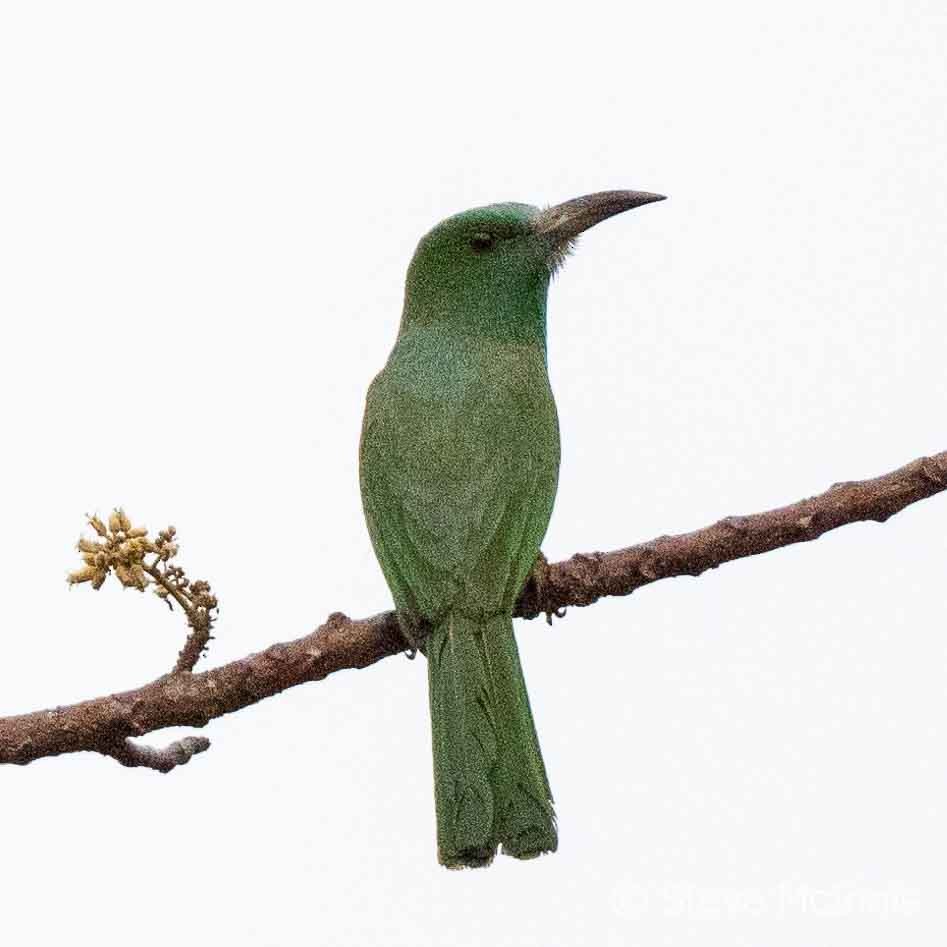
449	369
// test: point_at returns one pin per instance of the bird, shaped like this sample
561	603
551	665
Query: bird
458	468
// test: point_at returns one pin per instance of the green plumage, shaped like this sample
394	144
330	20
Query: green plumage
459	462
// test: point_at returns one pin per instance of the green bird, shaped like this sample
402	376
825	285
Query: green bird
459	461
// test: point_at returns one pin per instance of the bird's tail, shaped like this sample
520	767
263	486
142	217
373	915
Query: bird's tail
490	784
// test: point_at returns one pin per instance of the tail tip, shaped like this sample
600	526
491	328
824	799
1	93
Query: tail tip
474	857
524	849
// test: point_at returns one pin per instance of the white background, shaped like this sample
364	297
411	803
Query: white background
206	211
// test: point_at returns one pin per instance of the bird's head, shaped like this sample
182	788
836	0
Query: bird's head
488	269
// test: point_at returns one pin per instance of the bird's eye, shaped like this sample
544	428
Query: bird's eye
481	242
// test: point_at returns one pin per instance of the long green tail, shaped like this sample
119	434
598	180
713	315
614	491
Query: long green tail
490	785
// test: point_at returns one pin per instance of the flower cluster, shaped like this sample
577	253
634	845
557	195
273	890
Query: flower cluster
123	549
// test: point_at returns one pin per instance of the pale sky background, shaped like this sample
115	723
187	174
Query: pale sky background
206	211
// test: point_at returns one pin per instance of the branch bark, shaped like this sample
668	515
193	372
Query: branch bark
182	698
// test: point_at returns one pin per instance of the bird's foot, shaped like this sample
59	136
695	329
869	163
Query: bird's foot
535	595
413	636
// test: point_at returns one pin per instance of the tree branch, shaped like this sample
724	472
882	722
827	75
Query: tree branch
103	725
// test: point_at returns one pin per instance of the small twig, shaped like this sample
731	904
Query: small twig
163	580
123	550
129	753
193	648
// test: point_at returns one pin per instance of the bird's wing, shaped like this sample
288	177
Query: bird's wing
457	494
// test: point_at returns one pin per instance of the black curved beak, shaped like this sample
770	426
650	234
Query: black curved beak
564	222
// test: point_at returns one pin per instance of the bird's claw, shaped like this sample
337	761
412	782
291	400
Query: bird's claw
535	600
554	613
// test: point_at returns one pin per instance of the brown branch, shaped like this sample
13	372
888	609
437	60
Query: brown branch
585	578
104	725
185	699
